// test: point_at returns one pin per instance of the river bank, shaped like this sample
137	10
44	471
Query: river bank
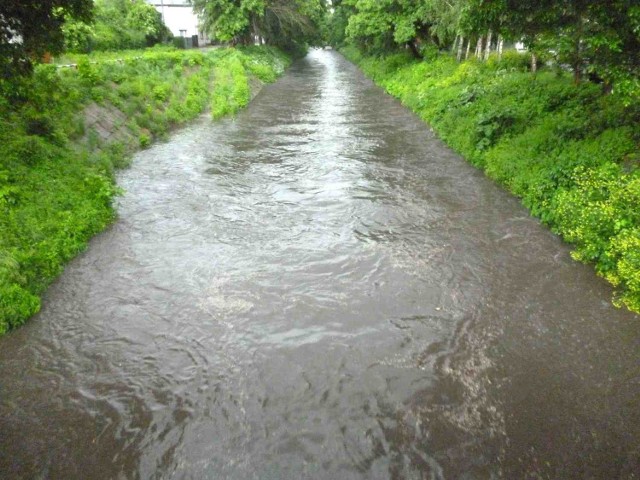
302	292
65	131
569	152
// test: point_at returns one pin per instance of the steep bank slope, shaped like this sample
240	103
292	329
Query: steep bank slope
64	131
569	152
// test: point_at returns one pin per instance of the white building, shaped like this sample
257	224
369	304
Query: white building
179	17
520	47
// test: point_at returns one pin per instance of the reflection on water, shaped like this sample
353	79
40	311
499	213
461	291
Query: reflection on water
319	289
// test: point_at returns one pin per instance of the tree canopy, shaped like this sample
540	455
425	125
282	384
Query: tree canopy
381	25
596	37
285	23
118	24
29	29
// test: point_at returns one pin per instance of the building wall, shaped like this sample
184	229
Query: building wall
179	17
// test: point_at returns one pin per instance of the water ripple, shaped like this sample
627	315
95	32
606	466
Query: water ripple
318	288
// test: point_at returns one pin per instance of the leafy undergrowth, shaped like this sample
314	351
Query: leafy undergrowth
56	166
571	153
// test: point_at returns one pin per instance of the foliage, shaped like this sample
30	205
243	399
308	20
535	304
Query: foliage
289	24
30	29
118	25
231	88
56	171
228	20
599	40
591	36
571	153
378	26
337	22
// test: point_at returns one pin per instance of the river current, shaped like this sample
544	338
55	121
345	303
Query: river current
320	289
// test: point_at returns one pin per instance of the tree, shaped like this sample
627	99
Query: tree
600	38
382	24
142	17
118	24
338	19
229	20
29	29
288	23
597	36
285	23
612	46
387	24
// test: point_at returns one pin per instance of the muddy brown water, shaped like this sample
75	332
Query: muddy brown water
320	289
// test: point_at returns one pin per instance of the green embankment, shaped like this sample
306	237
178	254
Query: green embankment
569	152
65	130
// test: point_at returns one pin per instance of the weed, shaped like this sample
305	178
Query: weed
56	193
563	149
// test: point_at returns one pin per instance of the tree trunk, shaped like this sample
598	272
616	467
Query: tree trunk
460	47
577	53
255	31
577	64
500	46
487	50
455	44
466	57
479	47
577	73
414	49
534	63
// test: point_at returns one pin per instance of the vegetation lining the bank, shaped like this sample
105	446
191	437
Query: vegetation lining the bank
569	151
64	131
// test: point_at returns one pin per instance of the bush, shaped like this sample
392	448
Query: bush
563	149
16	305
511	61
178	42
55	194
231	84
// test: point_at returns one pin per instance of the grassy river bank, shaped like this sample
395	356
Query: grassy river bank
571	153
65	131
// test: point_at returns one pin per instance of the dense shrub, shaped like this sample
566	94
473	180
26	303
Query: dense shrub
56	172
231	87
118	25
563	149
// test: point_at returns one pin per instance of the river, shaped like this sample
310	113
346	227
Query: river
320	289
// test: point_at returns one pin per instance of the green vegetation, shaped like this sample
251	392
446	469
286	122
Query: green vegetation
63	131
570	152
593	38
288	24
117	25
231	90
568	147
28	30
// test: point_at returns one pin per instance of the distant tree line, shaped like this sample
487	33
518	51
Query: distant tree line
31	30
116	25
599	38
28	30
595	38
289	24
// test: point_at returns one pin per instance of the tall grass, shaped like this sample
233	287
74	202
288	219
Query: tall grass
56	170
569	152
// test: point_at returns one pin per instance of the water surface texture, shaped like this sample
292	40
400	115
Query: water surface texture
320	289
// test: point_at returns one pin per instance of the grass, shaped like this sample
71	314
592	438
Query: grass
57	167
569	152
